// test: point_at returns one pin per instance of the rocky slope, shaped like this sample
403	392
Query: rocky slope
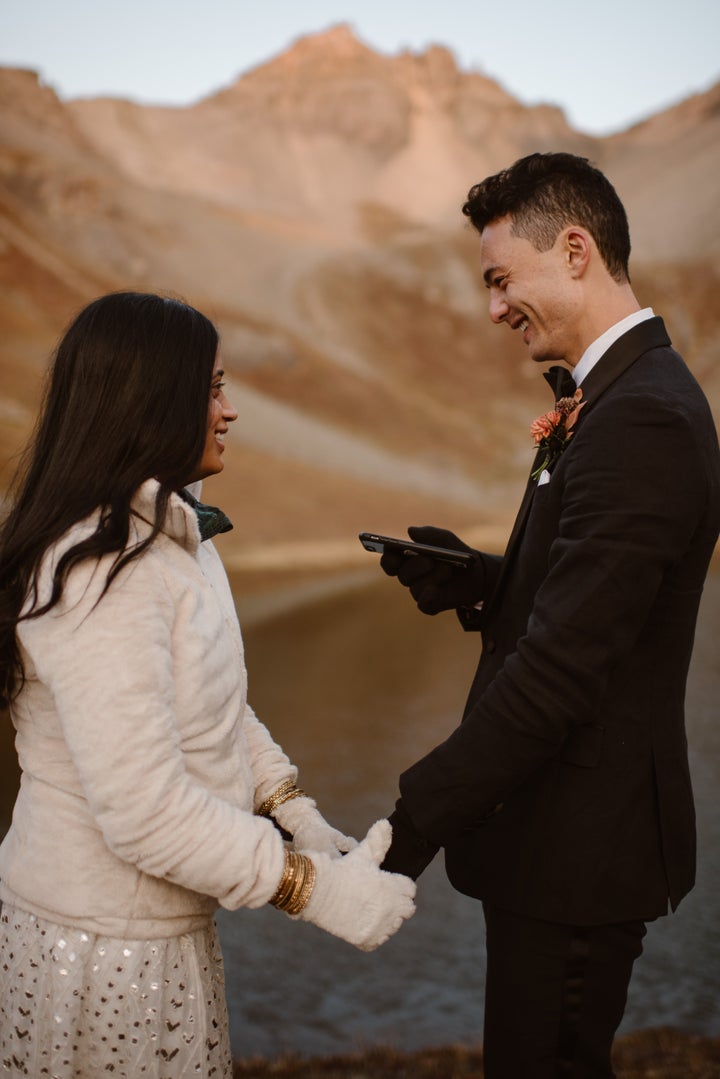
312	209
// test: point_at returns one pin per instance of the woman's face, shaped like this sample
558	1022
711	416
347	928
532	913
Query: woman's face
220	414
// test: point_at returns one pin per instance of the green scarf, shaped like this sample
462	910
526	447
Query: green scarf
210	519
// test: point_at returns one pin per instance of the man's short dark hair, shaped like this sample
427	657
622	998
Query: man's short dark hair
544	193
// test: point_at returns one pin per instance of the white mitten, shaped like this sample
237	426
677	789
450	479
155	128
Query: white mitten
310	830
356	900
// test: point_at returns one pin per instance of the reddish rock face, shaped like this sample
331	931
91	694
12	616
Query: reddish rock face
313	209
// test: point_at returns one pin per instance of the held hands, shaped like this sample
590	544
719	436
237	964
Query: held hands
310	830
354	899
436	586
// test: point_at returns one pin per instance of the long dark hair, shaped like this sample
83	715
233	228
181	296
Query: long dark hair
126	399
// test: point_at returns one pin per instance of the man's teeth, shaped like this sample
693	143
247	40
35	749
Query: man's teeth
523	325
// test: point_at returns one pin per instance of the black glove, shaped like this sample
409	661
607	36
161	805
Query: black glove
437	586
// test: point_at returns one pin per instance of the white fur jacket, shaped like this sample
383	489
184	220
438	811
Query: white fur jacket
141	759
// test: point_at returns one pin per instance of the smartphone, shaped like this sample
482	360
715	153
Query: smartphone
371	542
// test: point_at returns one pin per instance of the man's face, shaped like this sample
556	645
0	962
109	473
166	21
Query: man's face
531	291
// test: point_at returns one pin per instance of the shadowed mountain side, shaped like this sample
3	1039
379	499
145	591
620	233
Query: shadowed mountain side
289	514
665	170
312	209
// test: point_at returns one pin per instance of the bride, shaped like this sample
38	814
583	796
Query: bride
150	791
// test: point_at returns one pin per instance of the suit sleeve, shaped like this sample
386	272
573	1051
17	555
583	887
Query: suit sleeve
472	618
634	493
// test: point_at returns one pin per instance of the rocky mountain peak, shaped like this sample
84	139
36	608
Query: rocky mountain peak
24	96
335	50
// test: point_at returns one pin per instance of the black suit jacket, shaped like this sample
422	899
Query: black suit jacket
565	792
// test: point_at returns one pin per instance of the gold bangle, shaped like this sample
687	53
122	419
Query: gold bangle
285	887
306	889
270	802
284	793
296	884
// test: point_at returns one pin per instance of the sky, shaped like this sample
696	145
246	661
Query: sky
607	64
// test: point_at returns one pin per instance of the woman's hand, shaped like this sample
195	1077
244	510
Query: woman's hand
354	899
310	830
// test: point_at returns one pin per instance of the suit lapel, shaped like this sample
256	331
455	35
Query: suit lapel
622	354
517	530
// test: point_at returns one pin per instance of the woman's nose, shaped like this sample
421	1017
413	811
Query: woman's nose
229	411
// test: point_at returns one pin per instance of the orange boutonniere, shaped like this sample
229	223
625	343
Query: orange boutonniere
553	431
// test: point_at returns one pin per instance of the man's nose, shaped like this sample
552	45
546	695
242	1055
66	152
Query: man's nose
498	307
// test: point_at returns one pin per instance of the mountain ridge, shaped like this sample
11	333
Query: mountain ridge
312	208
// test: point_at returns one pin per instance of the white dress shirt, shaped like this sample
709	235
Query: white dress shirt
601	344
596	351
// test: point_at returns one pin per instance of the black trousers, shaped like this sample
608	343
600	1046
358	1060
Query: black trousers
554	996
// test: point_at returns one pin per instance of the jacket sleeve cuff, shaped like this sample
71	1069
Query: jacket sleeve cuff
470	618
408	853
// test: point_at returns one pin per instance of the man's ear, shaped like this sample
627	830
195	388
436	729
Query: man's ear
578	247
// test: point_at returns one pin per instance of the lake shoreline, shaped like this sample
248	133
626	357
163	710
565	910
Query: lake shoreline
662	1053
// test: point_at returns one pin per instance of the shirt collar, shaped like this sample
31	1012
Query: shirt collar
601	344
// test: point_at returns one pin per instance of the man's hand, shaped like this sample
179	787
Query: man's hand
437	586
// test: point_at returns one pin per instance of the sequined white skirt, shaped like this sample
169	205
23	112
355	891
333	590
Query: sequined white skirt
75	1005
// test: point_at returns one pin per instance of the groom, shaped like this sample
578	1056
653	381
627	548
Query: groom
563	799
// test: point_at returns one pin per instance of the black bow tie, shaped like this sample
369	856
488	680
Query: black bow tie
561	381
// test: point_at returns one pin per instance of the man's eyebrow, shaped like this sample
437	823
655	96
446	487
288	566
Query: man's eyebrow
489	273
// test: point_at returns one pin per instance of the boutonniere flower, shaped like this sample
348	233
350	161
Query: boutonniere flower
552	431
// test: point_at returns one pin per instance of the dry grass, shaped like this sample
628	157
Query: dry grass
649	1054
